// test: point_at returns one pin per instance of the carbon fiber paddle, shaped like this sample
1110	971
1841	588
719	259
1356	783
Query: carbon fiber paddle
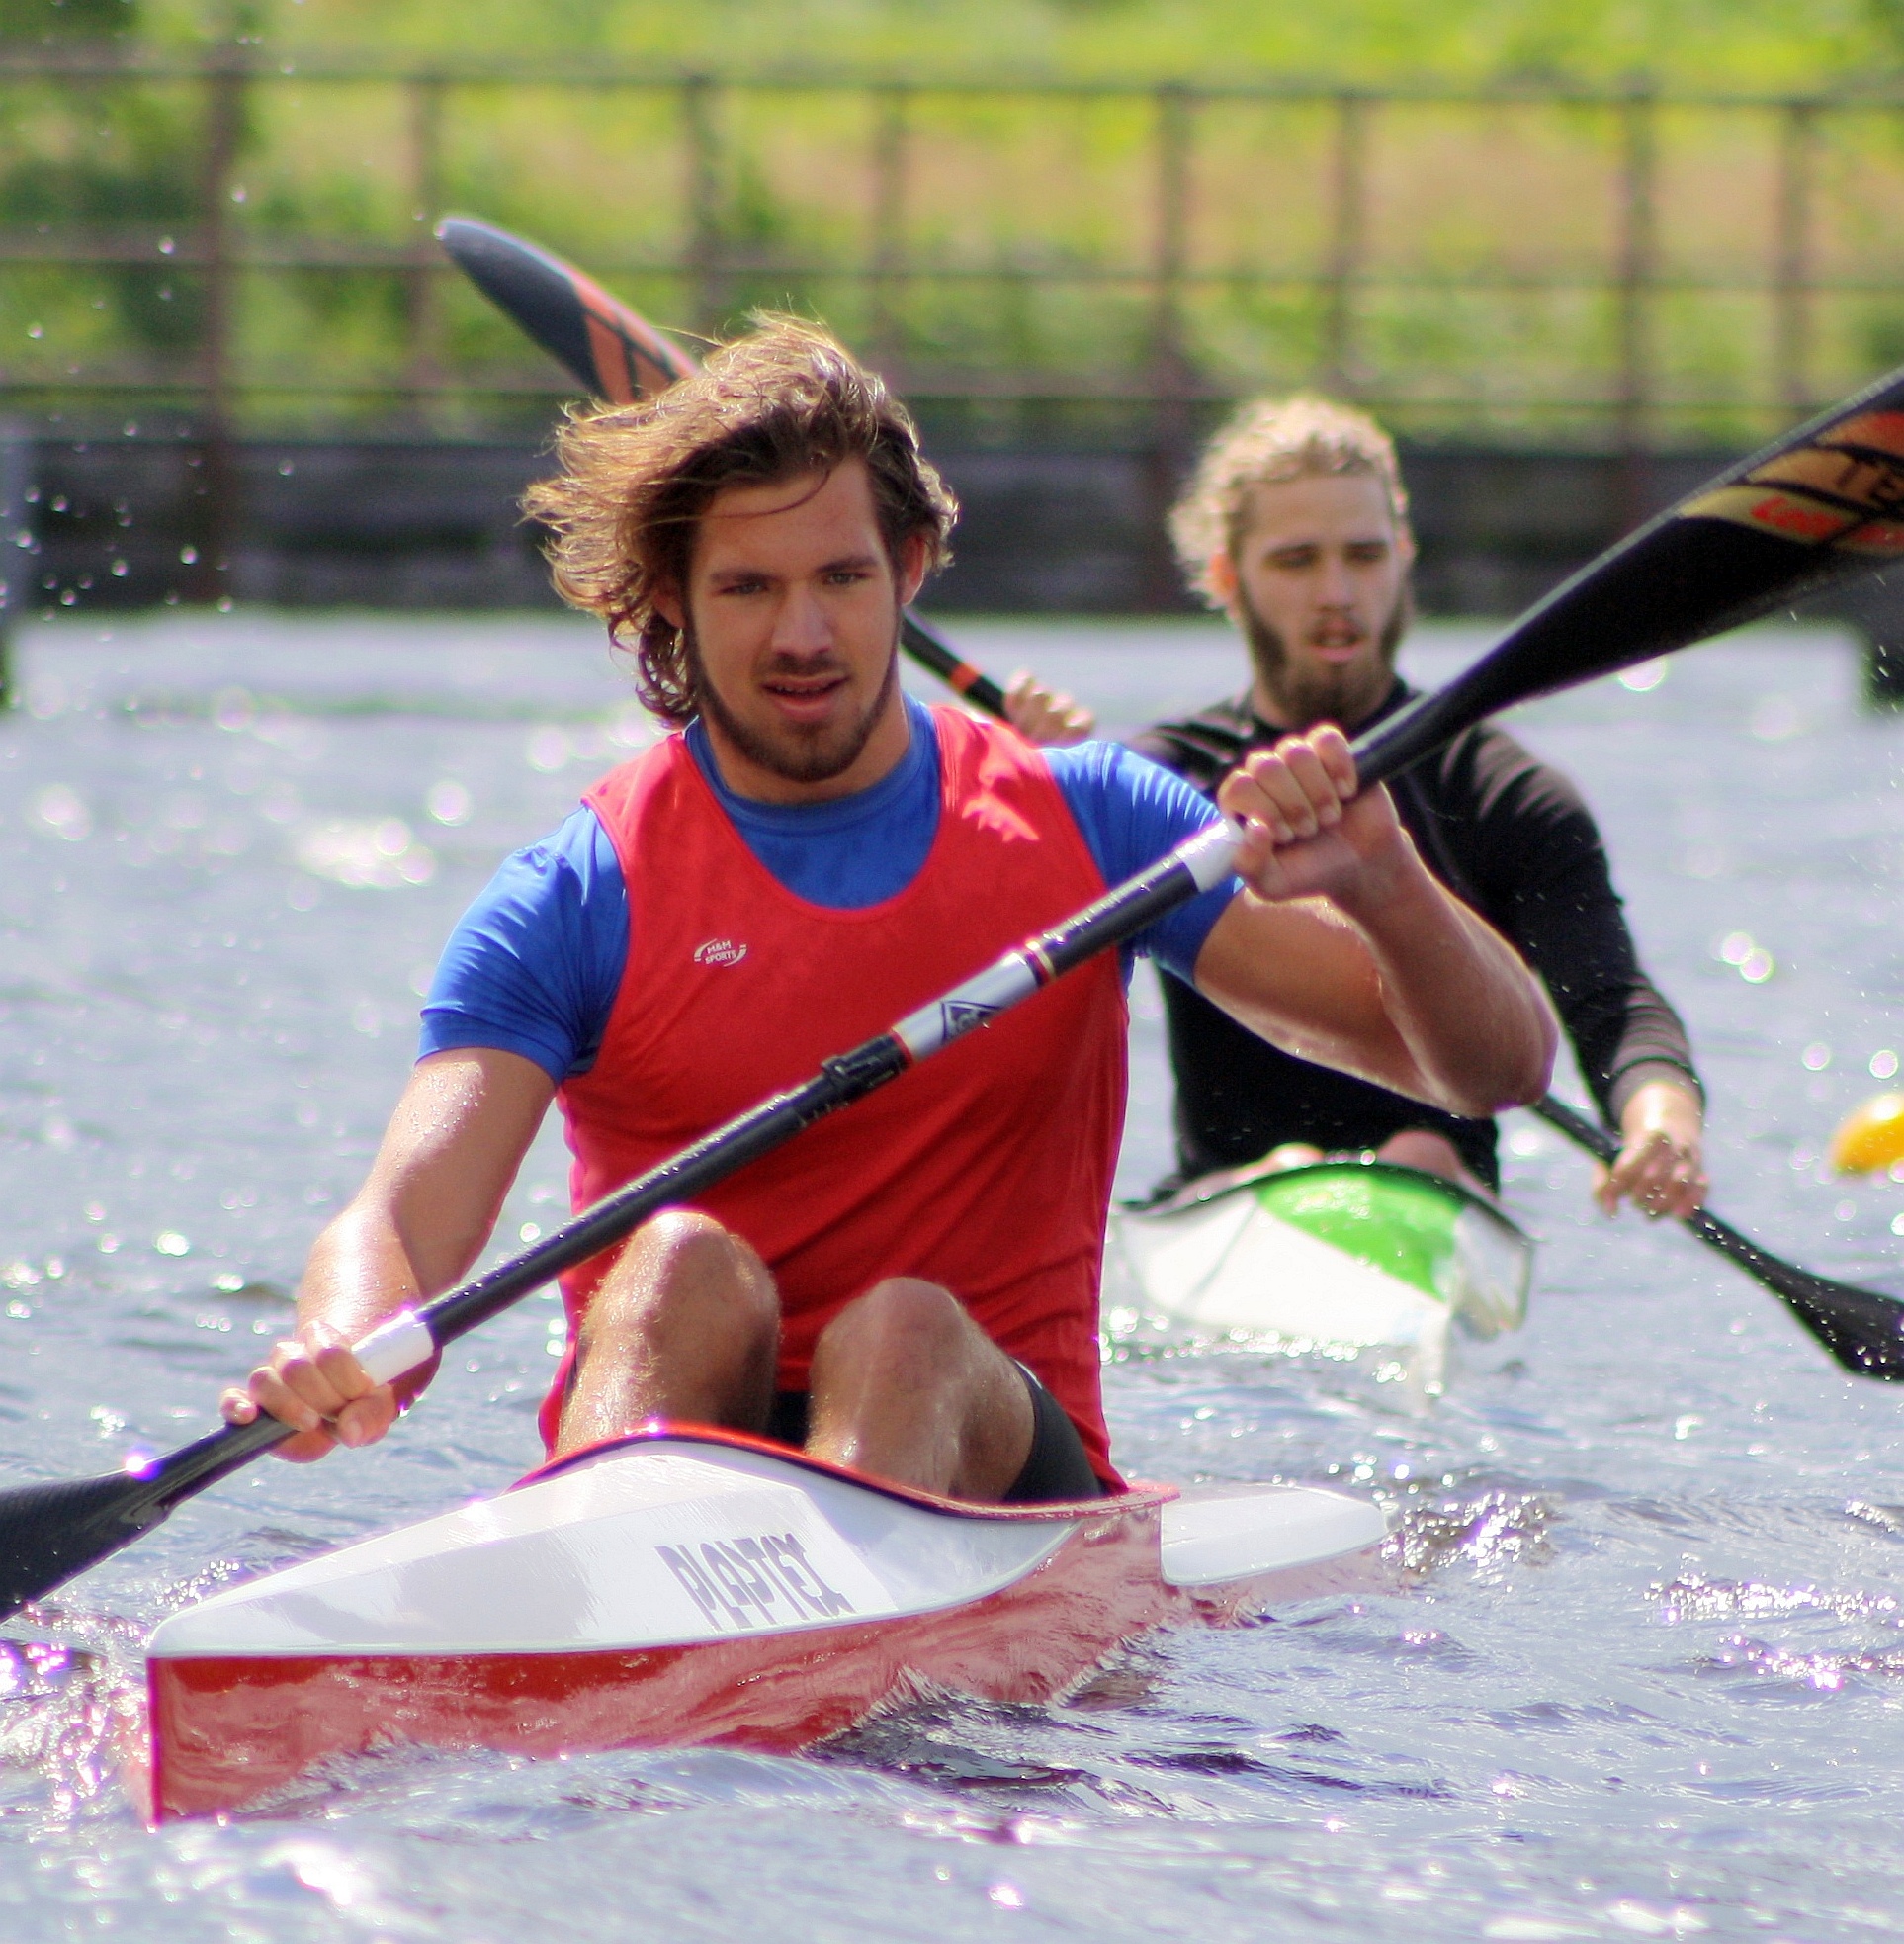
615	354
1804	512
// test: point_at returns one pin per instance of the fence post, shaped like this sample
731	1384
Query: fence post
891	140
425	92
707	296
1791	276
1638	240
1348	191
210	576
1169	367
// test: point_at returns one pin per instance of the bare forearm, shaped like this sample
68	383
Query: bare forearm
1474	1019
1414	992
448	1157
360	1270
433	1195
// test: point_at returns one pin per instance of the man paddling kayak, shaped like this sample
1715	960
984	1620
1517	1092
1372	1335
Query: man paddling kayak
1296	526
911	1286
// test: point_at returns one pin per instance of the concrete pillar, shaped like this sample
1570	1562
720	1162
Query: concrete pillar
18	551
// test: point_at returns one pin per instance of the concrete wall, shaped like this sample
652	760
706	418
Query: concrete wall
121	523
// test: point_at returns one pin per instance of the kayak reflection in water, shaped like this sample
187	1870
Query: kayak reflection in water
912	1287
1296	526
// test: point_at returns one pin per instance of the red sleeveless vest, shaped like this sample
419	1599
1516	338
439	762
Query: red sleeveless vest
988	1170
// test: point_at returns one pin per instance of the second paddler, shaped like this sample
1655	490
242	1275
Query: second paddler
1296	526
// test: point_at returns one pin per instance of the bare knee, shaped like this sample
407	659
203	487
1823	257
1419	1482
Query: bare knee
901	1324
684	1262
908	1387
686	1325
1432	1153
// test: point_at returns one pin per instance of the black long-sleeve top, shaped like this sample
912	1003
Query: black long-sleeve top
1512	839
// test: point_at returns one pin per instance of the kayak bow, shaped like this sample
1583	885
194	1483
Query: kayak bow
1343	1254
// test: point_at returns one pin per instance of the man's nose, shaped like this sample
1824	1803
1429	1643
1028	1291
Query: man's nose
801	626
1335	585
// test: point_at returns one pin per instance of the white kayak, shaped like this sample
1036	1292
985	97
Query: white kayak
1342	1254
687	1586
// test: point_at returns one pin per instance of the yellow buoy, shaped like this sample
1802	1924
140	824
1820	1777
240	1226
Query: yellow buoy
1871	1137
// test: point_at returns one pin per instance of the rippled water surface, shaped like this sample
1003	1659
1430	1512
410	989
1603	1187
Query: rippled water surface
1649	1679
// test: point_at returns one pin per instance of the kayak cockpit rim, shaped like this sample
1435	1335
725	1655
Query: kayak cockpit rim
1133	1498
1228	1181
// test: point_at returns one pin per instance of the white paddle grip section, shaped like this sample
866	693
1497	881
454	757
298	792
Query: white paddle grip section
1209	854
401	1343
968	1006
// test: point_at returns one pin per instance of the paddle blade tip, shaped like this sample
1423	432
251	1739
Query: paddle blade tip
55	1532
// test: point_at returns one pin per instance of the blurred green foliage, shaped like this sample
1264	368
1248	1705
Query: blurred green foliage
1483	296
29	21
1741	44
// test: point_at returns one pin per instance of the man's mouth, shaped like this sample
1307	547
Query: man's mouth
804	698
1338	644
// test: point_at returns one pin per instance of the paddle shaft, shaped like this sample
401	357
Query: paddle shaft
409	1340
1605	1148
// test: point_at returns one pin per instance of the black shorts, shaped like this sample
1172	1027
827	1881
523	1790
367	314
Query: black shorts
1055	1469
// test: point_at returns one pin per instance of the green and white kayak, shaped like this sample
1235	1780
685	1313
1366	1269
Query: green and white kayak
1341	1255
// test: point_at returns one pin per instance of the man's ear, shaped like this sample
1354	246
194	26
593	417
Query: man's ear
1220	574
670	605
1405	544
914	551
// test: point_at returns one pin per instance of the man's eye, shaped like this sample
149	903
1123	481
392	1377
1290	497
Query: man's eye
848	577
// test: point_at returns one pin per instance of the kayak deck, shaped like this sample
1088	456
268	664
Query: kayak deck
688	1586
1353	1253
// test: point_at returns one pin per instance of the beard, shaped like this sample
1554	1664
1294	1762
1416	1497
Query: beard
1346	695
793	752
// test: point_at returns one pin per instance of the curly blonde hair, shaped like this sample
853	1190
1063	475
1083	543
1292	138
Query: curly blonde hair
779	404
1270	440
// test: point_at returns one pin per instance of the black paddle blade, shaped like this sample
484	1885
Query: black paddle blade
1862	1328
50	1532
1822	506
602	344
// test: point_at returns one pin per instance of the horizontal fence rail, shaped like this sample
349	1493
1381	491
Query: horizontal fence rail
233	243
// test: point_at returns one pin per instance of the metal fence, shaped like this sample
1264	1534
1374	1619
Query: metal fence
246	244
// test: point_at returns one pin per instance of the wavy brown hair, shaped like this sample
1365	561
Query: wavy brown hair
780	403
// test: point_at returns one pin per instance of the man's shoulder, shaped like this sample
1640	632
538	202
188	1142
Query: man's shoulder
1488	774
1203	747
